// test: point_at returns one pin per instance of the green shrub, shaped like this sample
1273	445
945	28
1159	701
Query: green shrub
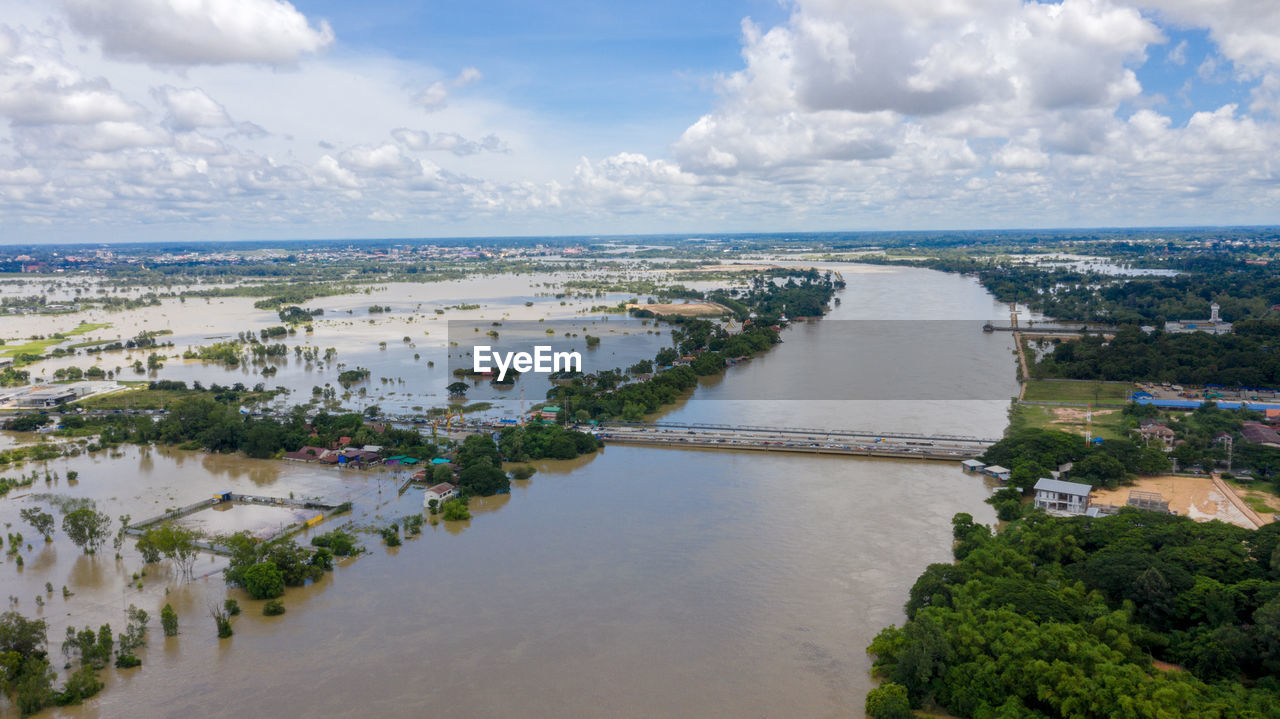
889	701
264	580
169	620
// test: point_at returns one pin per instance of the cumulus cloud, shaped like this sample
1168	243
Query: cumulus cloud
329	171
21	176
844	83
190	108
199	32
38	87
436	95
381	160
421	141
911	113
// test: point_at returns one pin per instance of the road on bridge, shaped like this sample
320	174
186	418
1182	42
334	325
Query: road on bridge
807	441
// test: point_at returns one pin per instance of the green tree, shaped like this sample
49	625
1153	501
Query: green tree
264	581
1099	469
442	473
87	528
483	479
175	543
26	637
133	636
889	701
455	510
169	620
40	521
222	620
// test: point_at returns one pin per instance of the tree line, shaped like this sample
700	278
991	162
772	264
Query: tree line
1062	617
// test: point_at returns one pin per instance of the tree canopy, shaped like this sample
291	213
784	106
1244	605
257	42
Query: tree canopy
1061	617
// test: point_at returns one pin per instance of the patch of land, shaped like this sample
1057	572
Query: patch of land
755	267
1196	497
139	396
688	309
9	349
1042	390
735	268
1106	423
1265	504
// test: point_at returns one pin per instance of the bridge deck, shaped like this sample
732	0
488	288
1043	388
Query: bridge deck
748	438
952	454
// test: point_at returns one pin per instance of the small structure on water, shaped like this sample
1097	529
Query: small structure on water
998	472
440	493
972	465
306	453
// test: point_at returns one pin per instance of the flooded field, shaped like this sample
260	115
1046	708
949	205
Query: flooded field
258	520
405	345
635	582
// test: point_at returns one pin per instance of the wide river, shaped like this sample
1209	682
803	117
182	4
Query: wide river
641	582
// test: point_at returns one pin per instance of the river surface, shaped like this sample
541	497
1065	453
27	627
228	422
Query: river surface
639	582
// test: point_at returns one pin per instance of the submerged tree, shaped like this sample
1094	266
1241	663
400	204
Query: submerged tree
169	620
41	521
222	619
87	528
174	542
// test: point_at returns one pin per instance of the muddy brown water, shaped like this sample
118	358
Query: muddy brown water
639	582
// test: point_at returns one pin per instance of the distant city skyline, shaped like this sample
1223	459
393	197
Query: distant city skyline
153	120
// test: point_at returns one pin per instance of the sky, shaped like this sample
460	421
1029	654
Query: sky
141	120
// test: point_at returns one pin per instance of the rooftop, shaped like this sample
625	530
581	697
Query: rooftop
1061	487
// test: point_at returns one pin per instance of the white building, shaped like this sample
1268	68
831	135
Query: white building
440	493
1058	497
1214	325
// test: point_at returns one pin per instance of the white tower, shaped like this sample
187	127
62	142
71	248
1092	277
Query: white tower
1213	313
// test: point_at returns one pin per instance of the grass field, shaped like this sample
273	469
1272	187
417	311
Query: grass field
39	346
1107	423
1041	390
1262	496
139	397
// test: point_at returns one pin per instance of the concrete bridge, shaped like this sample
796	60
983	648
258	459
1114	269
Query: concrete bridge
800	440
1033	330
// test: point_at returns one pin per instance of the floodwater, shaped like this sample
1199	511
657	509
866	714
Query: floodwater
639	582
406	349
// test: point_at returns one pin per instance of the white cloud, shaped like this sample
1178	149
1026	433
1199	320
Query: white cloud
381	160
190	108
436	95
37	87
891	113
21	176
109	136
421	141
329	171
199	32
